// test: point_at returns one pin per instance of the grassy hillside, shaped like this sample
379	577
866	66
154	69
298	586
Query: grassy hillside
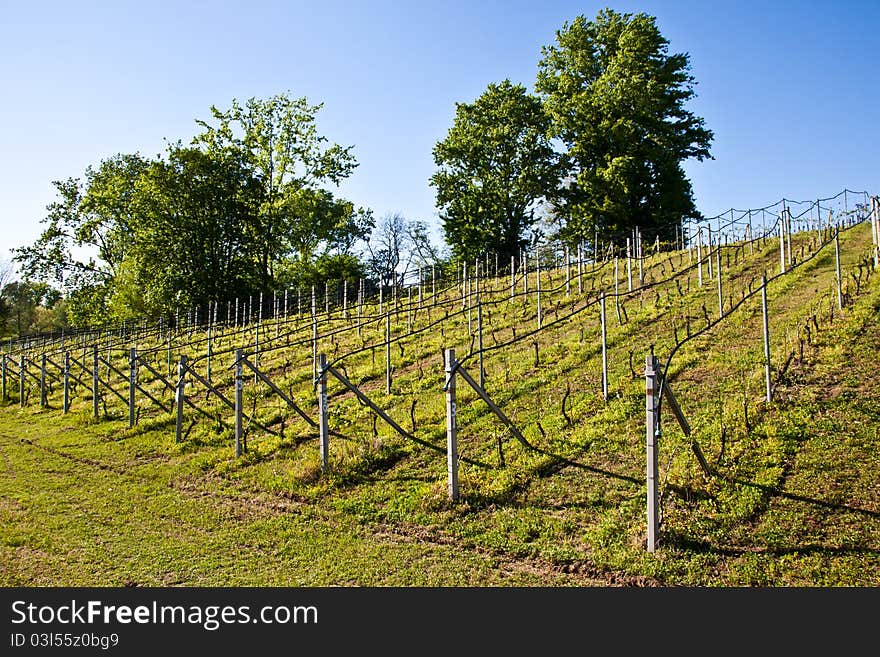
792	497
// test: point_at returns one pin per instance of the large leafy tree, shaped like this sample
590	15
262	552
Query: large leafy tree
617	100
495	165
278	140
195	239
88	231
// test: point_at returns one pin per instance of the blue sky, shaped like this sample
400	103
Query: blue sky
790	89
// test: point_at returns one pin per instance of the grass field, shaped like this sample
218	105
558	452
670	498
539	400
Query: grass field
793	501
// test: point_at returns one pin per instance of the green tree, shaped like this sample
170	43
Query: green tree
617	102
278	140
89	229
495	165
196	240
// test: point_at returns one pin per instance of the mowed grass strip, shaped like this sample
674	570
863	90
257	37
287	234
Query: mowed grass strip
67	522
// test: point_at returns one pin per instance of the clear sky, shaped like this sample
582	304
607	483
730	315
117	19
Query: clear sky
790	89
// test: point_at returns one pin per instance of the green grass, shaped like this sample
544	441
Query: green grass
795	500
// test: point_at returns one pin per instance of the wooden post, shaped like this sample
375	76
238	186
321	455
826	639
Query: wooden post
451	427
181	377
837	268
345	298
652	430
66	403
21	374
388	353
43	400
239	383
95	380
604	347
132	381
323	424
766	322
3	378
433	284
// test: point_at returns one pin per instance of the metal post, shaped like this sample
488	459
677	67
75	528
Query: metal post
181	376
837	268
314	346
388	353
208	364
639	257
718	274
629	275
43	382
652	430
709	251
512	275
766	339
480	340
580	257
239	384
451	427
132	381
21	373
782	243
256	349
604	348
66	402
788	235
345	298
360	301
700	256
538	273
95	380
567	272
323	425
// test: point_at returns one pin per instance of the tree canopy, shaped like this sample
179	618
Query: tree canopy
244	208
495	165
616	98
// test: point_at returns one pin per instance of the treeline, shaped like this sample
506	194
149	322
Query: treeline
244	207
248	204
